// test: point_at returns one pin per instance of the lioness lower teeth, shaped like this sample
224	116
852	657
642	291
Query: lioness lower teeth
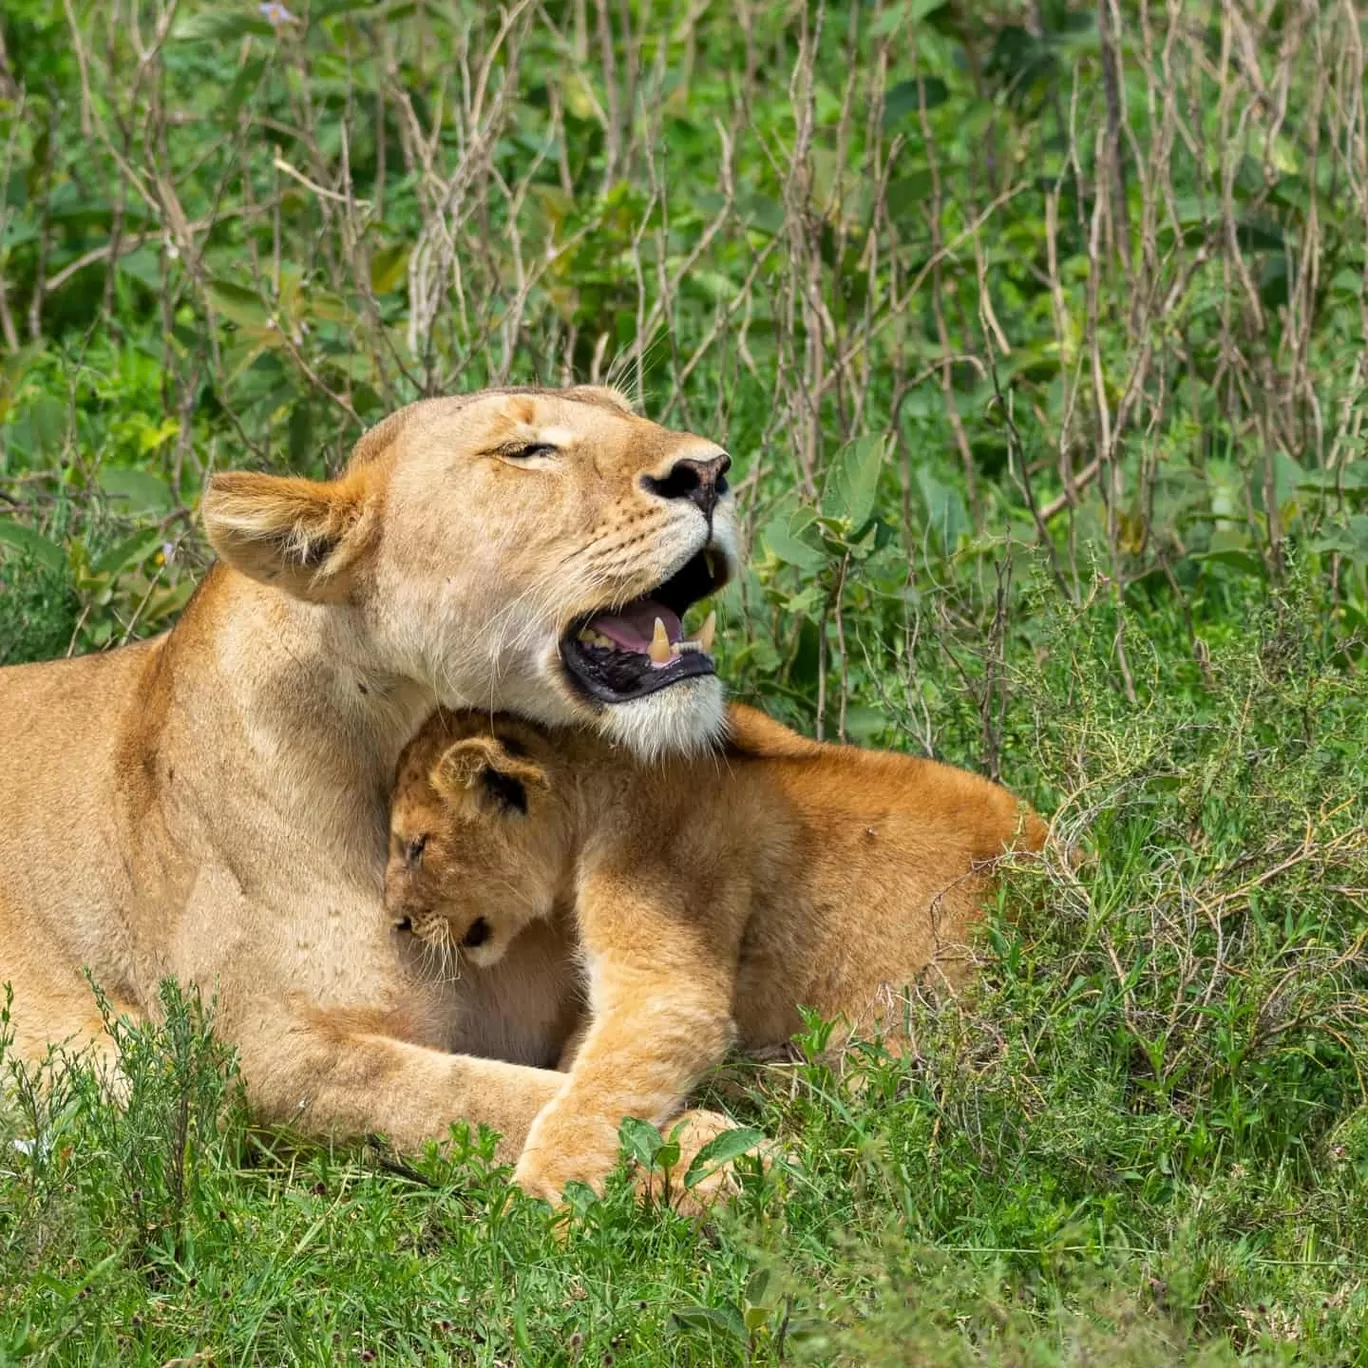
707	632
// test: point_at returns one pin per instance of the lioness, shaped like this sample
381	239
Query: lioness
713	895
211	804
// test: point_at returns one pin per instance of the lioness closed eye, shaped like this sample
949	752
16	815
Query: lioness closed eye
711	898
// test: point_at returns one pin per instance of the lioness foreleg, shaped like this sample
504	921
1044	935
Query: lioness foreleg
324	1074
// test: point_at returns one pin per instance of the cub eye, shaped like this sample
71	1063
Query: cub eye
507	791
414	853
524	453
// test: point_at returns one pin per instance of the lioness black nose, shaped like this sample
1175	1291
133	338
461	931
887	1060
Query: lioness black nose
701	482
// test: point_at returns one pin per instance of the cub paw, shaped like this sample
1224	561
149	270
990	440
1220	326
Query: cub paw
554	1157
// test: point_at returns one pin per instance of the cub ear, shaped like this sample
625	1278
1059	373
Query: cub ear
481	764
306	537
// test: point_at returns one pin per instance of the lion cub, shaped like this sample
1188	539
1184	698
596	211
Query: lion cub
713	895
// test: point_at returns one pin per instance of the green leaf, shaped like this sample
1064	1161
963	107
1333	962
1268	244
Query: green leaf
30	542
1233	556
806	601
13	368
913	11
641	1140
331	8
755	1318
1350	478
1347	283
144	266
128	552
876	536
852	482
944	508
756	1286
1287	476
725	1319
904	100
721	1150
389	266
329	307
220	25
1349	539
763	214
237	303
864	723
790	536
48	420
136	491
907	194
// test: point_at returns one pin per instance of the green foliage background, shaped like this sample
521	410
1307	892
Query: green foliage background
1035	331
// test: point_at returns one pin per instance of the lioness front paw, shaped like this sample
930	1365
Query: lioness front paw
556	1154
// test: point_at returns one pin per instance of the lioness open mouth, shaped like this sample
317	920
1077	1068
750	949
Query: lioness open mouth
617	654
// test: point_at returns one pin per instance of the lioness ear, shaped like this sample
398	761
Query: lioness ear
482	764
303	536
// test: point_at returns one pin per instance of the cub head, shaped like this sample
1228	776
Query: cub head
479	841
530	551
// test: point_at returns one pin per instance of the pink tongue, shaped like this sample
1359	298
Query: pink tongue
634	626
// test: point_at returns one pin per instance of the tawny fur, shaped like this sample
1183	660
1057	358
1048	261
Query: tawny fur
212	804
713	896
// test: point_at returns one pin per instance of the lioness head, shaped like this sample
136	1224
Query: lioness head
533	551
480	844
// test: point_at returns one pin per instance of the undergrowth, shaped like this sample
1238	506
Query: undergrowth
1142	1139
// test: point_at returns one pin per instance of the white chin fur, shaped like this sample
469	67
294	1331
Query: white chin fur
683	719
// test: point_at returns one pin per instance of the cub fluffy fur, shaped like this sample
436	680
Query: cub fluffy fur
712	895
211	804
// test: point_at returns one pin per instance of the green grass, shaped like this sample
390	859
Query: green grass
1143	1139
1039	349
